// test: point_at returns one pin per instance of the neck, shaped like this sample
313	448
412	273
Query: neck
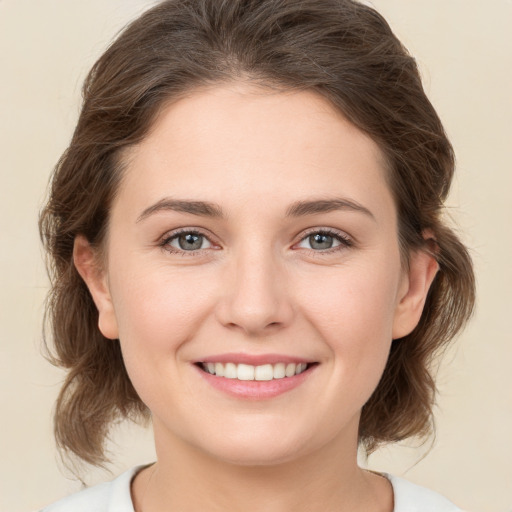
188	480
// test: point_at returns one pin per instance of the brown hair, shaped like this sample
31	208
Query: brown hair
343	50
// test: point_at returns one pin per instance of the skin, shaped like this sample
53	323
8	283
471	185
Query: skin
257	286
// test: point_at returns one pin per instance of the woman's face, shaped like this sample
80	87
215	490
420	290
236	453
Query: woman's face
254	228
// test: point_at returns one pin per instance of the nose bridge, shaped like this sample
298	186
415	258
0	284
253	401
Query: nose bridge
257	298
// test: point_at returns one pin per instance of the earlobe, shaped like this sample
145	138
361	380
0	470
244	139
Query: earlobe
86	263
423	268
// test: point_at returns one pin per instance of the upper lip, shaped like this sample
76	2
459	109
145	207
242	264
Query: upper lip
253	359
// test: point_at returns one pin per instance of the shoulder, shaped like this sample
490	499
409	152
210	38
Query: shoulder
410	497
111	496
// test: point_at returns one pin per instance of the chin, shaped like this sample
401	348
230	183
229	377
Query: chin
260	447
255	455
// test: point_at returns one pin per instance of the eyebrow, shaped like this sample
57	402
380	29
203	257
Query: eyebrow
200	208
297	209
313	207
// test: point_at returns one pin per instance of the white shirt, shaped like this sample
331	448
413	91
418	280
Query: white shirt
115	496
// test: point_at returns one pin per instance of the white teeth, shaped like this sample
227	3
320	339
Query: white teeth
279	371
290	369
264	372
219	369
300	368
230	371
249	372
245	372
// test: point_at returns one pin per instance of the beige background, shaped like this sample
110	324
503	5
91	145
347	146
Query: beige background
464	48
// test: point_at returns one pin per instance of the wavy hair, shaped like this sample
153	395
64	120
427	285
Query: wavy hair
341	49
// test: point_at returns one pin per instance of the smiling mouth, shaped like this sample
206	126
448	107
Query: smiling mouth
247	372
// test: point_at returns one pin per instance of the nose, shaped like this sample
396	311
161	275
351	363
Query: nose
255	297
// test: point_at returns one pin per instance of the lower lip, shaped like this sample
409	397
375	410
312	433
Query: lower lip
255	389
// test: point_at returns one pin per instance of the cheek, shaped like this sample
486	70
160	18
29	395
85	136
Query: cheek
360	299
354	314
157	310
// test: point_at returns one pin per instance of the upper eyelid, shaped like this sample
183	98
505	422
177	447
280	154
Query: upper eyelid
203	231
173	233
308	231
330	231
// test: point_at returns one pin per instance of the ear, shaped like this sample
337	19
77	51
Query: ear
416	283
86	263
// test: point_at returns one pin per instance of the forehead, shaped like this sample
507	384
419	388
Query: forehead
241	142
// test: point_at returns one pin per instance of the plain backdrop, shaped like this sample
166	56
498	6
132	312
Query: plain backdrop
464	49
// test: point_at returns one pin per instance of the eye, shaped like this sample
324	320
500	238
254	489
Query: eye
187	241
324	240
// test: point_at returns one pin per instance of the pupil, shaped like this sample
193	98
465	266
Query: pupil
321	241
190	242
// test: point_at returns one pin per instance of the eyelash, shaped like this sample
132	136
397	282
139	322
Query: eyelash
345	242
167	239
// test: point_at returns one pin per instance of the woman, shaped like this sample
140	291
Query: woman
246	246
